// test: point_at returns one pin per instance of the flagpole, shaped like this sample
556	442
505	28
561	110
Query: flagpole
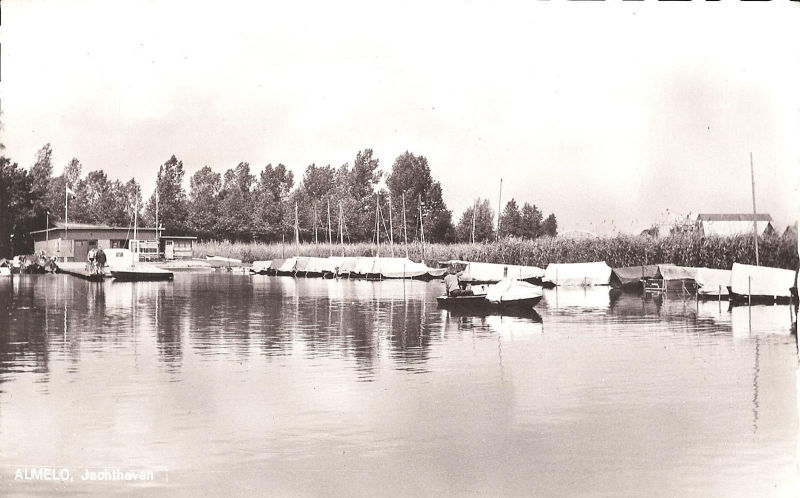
66	212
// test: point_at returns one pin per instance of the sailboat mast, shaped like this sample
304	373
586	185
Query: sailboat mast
499	203
405	225
341	231
377	227
755	223
330	235
296	230
474	203
391	229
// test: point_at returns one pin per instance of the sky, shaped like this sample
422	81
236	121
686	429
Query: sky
611	115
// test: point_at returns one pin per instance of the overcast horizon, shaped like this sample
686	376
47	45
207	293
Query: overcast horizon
612	116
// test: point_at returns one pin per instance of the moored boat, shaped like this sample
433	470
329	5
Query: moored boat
509	293
141	273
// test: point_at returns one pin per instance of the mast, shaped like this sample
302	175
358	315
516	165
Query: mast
755	223
330	236
316	237
156	213
421	227
473	221
391	229
499	203
296	230
341	232
405	225
377	227
135	219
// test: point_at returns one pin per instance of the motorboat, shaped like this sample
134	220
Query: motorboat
508	293
141	272
125	266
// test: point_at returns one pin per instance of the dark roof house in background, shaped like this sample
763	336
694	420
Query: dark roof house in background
734	224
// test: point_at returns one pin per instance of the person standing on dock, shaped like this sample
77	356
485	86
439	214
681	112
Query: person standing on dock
100	259
90	260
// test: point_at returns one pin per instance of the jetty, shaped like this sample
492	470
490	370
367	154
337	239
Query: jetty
79	270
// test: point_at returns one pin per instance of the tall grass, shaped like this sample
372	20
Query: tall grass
620	251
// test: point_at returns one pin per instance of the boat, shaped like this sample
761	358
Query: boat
508	293
141	273
761	284
125	266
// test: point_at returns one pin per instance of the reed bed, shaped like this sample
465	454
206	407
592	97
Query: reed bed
619	251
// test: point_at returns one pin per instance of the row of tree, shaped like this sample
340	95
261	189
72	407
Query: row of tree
243	206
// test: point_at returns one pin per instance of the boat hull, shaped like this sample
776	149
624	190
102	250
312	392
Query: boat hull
480	303
136	276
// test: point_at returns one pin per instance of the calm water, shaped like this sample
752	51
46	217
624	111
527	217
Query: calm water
234	385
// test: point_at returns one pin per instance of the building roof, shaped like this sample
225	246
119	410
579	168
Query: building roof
185	237
734	217
59	225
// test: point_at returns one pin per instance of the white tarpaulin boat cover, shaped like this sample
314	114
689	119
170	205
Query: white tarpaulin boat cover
364	266
316	265
276	264
494	272
288	264
711	282
672	272
512	290
404	268
333	263
578	273
761	281
348	265
259	266
301	264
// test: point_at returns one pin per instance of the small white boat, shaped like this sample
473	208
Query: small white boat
125	266
508	293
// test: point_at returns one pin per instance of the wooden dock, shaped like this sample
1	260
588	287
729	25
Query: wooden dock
79	270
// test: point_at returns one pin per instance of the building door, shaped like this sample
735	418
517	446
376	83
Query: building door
81	250
169	249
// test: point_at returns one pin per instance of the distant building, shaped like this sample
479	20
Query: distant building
72	243
734	224
177	247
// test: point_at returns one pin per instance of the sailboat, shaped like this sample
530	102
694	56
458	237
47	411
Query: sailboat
130	269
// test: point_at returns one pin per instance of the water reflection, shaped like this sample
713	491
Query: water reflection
596	393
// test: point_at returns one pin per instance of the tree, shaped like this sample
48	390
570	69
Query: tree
41	174
172	203
17	200
411	176
531	222
511	220
235	218
484	223
204	188
550	226
316	188
271	210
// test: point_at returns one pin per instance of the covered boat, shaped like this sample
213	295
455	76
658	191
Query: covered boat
761	283
393	268
673	277
508	293
364	266
287	268
632	276
260	267
585	274
495	272
712	282
301	266
348	267
275	265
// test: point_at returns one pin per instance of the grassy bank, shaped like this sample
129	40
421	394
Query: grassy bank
712	252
